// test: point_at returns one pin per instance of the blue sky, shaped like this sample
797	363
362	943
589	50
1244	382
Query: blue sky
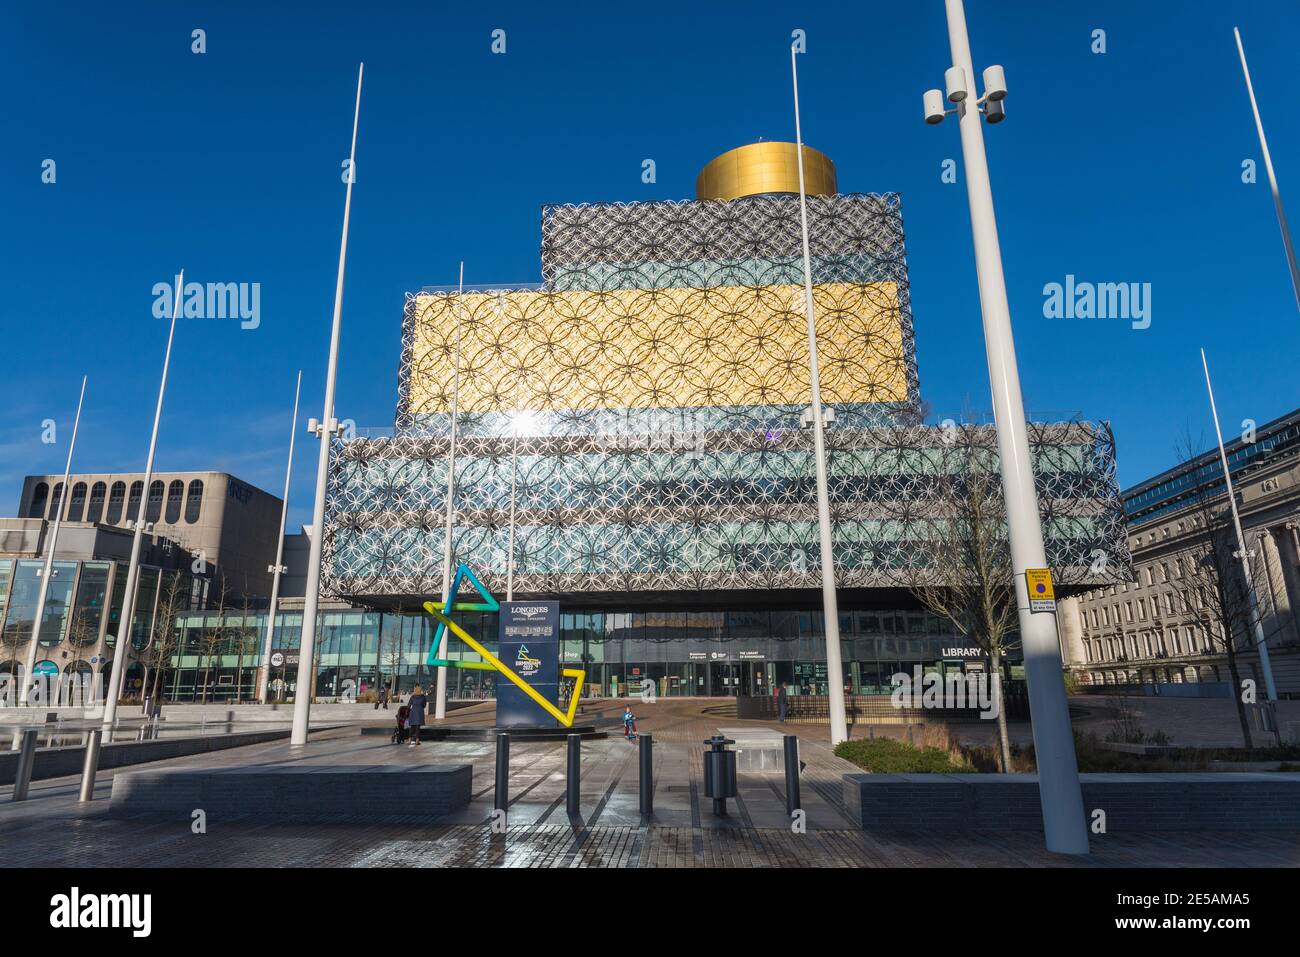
1118	167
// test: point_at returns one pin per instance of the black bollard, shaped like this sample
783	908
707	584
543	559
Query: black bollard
792	801
503	771
573	792
647	775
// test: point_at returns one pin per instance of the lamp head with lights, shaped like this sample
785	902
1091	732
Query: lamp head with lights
954	78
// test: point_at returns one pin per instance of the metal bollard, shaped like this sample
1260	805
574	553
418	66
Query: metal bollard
573	791
26	763
647	775
792	800
502	799
91	765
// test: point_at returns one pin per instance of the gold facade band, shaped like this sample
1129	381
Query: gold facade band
766	168
657	348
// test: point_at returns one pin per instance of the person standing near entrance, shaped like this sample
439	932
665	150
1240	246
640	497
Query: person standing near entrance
782	705
416	718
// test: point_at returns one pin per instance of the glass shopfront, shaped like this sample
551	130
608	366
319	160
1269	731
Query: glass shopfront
625	653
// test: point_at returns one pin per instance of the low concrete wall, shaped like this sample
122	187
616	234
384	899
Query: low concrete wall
1132	802
57	762
301	793
757	749
1187	689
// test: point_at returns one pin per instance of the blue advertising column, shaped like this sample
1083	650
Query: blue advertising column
528	642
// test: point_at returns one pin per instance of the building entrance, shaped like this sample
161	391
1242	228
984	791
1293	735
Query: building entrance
720	680
731	678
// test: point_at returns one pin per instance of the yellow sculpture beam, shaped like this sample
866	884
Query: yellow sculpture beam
564	718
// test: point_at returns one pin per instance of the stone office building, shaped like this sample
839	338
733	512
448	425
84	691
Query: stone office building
206	528
230	524
1152	630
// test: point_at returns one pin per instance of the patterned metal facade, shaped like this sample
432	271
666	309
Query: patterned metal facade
645	404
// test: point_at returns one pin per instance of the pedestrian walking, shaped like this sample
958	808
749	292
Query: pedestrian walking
415	719
629	723
782	703
383	698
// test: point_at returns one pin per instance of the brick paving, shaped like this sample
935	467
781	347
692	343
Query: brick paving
51	829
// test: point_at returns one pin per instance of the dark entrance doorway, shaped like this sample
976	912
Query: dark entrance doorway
722	679
754	678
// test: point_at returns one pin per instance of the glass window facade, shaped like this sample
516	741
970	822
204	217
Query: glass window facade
678	652
133	503
194	501
116	498
175	495
88	611
40	498
24	594
95	508
77	504
153	511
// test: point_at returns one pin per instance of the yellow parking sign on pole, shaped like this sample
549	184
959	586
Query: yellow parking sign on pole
1038	582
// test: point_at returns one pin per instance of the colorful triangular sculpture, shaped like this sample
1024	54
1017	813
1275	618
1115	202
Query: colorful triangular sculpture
490	661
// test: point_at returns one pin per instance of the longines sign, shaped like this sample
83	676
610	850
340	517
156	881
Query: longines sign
529	642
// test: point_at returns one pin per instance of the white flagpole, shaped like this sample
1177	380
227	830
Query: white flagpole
1256	625
514	483
122	648
440	698
326	429
830	604
278	568
1272	179
47	571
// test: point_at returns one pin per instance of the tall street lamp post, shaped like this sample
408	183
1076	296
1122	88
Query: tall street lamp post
1272	178
278	568
830	604
47	571
140	523
440	694
325	430
1064	824
1243	554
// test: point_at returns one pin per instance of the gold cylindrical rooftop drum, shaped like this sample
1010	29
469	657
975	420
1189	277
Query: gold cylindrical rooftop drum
769	167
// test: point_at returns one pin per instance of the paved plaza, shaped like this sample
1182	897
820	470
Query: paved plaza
52	829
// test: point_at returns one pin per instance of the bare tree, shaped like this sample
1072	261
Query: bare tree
390	650
213	640
83	632
1216	595
172	600
245	638
11	646
969	579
